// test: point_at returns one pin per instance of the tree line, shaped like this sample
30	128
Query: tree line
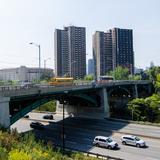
148	109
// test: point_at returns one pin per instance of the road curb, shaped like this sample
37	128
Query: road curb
37	120
140	135
133	122
34	111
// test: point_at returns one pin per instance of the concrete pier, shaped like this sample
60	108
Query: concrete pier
4	112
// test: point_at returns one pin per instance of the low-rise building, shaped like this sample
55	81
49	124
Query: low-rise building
24	74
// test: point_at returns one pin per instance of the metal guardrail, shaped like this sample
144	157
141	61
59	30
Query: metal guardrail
91	154
7	90
14	91
18	87
97	155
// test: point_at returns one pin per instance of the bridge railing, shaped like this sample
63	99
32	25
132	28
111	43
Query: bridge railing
11	90
18	87
17	90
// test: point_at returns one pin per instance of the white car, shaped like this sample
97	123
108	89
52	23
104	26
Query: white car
105	142
133	140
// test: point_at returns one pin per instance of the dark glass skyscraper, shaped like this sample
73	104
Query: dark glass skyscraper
111	49
70	52
61	53
122	48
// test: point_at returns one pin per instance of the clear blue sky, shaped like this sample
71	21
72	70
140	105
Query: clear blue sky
25	21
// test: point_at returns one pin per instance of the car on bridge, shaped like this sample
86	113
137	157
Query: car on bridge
37	125
133	140
107	142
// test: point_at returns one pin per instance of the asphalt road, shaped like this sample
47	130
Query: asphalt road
80	132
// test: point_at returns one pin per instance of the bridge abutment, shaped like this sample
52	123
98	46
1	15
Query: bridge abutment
4	112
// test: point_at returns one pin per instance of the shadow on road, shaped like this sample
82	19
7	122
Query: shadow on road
78	132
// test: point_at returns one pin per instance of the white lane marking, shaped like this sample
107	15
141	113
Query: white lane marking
72	142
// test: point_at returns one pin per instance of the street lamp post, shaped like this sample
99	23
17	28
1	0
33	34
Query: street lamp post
39	53
63	137
132	114
45	62
63	129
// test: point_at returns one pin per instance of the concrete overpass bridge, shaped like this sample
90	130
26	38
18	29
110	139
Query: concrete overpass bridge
16	101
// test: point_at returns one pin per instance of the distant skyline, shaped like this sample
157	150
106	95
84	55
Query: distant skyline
25	21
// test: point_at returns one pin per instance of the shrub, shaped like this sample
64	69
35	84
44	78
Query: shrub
3	154
16	154
80	156
7	140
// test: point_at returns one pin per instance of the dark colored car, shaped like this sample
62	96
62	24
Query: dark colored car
36	125
26	116
48	116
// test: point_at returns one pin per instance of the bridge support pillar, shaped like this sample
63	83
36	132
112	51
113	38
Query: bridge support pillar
104	103
84	111
135	91
4	112
150	89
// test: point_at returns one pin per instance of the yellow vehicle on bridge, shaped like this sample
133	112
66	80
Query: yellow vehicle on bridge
61	81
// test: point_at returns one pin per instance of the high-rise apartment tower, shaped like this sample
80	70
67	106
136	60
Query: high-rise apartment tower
122	48
70	52
112	49
102	53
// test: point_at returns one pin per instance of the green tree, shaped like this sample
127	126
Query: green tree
120	73
135	77
153	106
136	107
50	106
1	83
154	75
157	83
153	72
146	109
89	77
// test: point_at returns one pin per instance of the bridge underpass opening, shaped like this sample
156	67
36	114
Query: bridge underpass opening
83	100
143	91
81	105
118	99
20	107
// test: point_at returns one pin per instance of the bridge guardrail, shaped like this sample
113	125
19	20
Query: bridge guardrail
11	90
14	91
19	87
97	155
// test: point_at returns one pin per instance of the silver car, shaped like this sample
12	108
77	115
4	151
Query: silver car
132	140
105	142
